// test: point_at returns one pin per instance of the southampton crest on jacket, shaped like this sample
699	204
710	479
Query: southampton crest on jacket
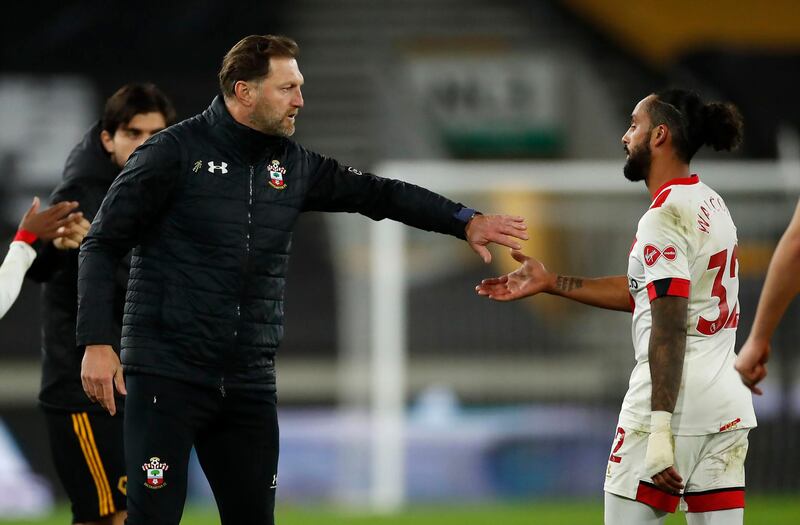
276	173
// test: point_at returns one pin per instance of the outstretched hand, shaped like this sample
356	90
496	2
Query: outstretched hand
501	229
529	279
49	224
751	363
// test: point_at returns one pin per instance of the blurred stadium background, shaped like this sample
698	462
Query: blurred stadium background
399	388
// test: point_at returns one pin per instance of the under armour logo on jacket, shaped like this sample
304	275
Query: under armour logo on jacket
222	166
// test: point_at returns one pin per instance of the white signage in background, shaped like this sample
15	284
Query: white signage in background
493	91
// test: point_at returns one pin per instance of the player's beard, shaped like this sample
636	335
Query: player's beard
268	121
637	167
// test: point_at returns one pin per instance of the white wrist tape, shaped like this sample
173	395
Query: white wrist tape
660	420
660	445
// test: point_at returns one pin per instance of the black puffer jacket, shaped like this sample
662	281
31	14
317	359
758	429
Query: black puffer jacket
88	173
210	206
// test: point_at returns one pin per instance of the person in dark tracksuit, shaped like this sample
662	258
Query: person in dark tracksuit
86	442
208	206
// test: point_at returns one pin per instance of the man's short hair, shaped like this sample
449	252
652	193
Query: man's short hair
133	99
249	59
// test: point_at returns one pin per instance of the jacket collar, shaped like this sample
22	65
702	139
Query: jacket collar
247	140
90	161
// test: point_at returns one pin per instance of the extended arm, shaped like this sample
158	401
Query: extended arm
341	188
532	278
781	286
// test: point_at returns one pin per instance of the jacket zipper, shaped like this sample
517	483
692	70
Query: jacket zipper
246	266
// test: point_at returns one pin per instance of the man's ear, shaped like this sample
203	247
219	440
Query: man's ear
659	135
244	93
108	141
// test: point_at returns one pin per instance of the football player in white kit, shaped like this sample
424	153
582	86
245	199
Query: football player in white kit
682	430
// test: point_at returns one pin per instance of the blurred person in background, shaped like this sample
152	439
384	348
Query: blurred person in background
682	430
209	207
86	442
56	223
782	284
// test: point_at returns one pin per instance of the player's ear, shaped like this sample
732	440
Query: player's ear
659	135
108	141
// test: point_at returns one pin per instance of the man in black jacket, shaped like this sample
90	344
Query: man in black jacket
85	441
209	206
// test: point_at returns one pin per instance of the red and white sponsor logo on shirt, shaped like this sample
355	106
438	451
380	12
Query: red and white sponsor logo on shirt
653	254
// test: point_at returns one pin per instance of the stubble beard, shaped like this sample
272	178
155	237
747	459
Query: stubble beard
637	167
271	124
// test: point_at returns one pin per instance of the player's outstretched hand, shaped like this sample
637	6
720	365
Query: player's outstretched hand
501	229
529	279
46	224
72	234
101	371
751	363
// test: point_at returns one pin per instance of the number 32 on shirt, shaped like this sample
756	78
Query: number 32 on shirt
726	319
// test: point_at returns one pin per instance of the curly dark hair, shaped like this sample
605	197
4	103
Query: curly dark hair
694	123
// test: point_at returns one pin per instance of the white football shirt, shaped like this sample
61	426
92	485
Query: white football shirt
686	246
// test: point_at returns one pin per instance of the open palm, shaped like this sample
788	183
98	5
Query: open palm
529	279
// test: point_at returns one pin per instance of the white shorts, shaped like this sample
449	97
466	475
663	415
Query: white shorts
712	468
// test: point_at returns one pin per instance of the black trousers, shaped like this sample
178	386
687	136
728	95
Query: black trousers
236	439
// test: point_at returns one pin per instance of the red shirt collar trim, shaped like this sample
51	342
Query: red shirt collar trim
681	181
